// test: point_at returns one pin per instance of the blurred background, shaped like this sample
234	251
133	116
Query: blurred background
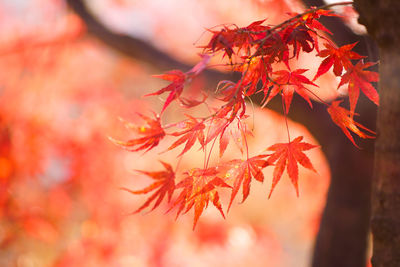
63	85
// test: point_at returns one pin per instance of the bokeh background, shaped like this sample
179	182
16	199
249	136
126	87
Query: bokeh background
62	92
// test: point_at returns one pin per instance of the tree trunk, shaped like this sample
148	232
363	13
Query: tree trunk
383	22
386	197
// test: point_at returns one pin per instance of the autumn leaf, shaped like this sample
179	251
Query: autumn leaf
199	187
344	119
221	40
287	155
238	133
193	130
228	39
299	37
229	90
274	49
164	184
233	94
339	58
359	79
152	135
242	172
178	79
289	82
254	71
311	19
216	127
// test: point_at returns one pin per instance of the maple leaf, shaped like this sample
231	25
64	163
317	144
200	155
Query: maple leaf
199	187
164	184
311	19
216	127
237	133
287	155
229	90
357	79
221	40
227	38
233	94
194	129
178	79
299	37
289	82
344	119
254	71
153	133
339	58
218	124
274	49
250	35
242	172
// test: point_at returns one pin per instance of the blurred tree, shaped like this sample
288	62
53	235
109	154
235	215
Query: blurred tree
382	22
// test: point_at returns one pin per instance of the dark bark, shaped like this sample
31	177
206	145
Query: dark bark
383	23
386	198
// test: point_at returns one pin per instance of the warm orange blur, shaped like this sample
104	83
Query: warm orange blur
61	94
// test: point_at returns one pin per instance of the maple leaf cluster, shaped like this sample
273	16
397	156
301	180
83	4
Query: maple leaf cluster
254	51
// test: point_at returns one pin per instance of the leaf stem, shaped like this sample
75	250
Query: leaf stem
286	119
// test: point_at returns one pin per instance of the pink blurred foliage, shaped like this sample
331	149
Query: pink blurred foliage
61	93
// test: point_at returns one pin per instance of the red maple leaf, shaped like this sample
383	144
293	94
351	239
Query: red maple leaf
339	58
311	19
299	37
194	130
221	40
289	82
233	94
254	71
216	126
287	155
199	187
224	117
242	171
357	79
178	79
152	134
228	39
237	132
344	119
164	184
274	49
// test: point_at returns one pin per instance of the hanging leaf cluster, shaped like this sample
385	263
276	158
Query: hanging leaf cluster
253	51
